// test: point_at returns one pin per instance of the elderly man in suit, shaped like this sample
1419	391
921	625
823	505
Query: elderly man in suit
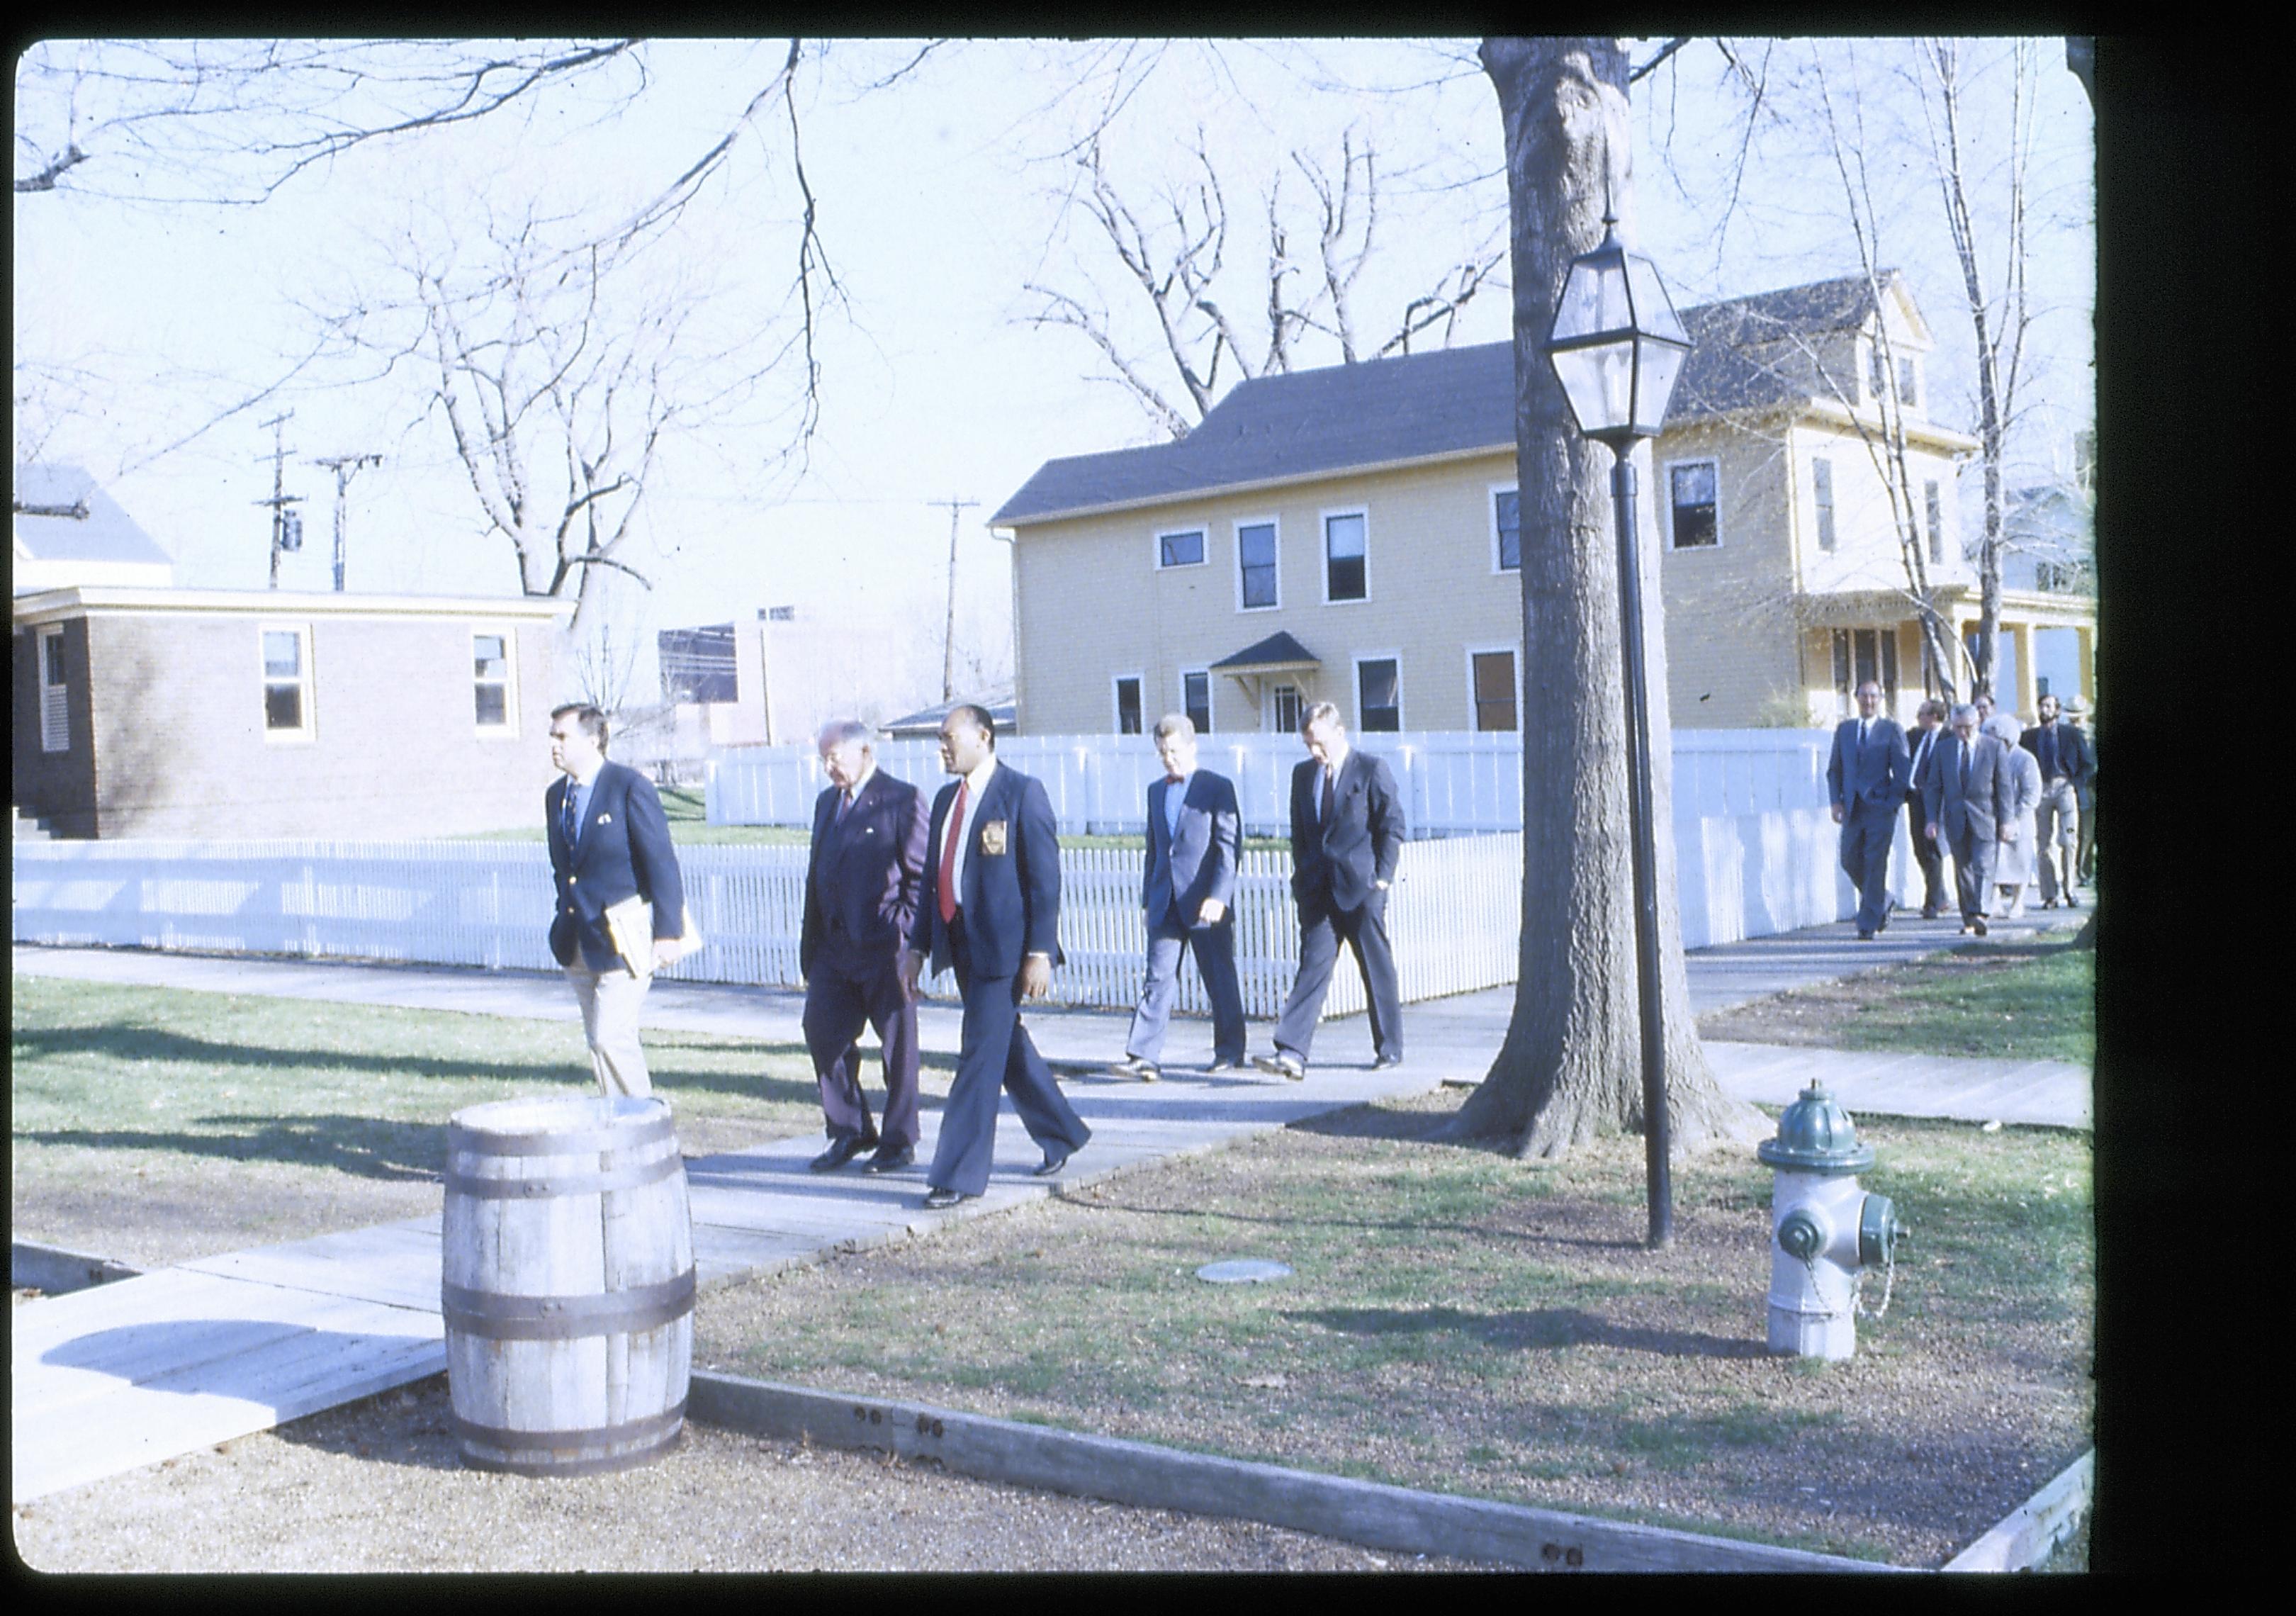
1865	778
2061	750
1929	729
1968	798
991	907
1347	838
861	885
608	842
1195	841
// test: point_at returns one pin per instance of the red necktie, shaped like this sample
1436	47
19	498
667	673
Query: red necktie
947	883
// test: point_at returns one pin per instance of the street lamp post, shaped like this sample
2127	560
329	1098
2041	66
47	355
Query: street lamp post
1617	346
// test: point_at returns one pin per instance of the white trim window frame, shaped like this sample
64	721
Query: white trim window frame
502	682
1934	509
1475	697
1273	565
1362	516
55	689
1198	531
1499	491
1204	723
1116	683
1364	725
1673	528
1827	510
283	666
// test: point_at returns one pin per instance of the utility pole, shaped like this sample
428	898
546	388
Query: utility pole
343	466
286	524
948	635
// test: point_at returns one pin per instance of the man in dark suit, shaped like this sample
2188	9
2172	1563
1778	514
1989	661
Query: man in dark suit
1929	729
608	842
1866	779
861	885
1347	838
1969	795
2062	749
991	907
1195	843
2084	852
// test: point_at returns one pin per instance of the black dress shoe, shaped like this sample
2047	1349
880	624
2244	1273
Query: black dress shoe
890	1162
1223	1068
1929	910
1052	1164
1978	925
938	1199
1864	937
839	1153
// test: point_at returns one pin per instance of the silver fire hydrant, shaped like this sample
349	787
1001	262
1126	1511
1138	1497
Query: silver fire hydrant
1824	1231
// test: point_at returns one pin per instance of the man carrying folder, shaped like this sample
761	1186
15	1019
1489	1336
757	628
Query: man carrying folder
621	907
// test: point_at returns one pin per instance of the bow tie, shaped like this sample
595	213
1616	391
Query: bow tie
1176	779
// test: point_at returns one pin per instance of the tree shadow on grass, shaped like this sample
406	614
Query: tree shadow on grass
1096	1198
363	1147
130	1044
1541	1329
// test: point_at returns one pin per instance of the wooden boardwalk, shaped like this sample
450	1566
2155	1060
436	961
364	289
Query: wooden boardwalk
121	1375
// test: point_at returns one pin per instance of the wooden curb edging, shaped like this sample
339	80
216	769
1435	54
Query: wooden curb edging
33	1266
2028	1534
1138	1473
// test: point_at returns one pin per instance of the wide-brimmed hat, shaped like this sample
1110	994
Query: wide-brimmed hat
2075	704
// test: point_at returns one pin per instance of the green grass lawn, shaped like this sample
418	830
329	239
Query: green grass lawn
1462	1321
2030	1001
149	1124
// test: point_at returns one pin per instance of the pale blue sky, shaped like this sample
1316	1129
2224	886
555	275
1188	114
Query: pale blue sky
936	204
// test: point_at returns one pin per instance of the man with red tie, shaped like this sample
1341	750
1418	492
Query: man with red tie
991	907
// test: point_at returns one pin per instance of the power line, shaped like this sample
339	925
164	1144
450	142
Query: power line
344	466
286	523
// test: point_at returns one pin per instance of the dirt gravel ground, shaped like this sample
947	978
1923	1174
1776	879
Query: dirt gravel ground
377	1485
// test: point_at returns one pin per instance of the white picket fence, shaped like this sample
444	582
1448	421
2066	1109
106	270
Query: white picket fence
1455	912
1455	783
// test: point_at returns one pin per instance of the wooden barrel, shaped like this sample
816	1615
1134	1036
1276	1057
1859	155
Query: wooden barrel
566	1284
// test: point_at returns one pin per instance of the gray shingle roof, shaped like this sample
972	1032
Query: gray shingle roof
61	514
1278	650
1381	412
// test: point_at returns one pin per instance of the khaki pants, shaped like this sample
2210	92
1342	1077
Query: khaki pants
2056	823
610	1001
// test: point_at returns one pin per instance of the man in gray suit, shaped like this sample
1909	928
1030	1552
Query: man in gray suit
1968	799
1195	841
1865	778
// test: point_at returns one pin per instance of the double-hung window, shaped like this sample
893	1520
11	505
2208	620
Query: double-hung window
1820	474
1196	700
1255	565
490	683
1933	505
1491	674
1345	574
1507	528
286	658
1379	695
1127	705
1690	497
55	693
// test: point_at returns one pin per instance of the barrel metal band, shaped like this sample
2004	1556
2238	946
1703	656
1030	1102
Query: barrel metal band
565	1142
646	1428
549	1319
635	1176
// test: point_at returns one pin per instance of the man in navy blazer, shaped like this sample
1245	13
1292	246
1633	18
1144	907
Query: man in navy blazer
1187	884
861	884
1968	796
1347	838
609	842
991	906
1866	779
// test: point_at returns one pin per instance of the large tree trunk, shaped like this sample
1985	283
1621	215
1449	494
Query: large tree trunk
1571	1067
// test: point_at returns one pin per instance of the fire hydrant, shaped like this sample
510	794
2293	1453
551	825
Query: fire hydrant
1824	1232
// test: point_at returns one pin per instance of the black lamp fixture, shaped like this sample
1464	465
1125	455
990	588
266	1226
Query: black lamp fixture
1617	346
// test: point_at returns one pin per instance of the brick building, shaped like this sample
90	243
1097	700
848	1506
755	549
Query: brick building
1351	534
211	714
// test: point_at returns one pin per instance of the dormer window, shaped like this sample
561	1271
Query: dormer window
1909	392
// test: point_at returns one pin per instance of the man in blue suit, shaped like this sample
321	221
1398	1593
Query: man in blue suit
1969	797
991	907
608	842
861	882
1867	779
1195	841
1347	838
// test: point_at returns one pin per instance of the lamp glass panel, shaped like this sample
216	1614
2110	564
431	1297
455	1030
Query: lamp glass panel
1654	310
1661	365
1593	298
1597	382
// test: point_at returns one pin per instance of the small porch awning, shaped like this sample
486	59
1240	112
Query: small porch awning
1279	652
